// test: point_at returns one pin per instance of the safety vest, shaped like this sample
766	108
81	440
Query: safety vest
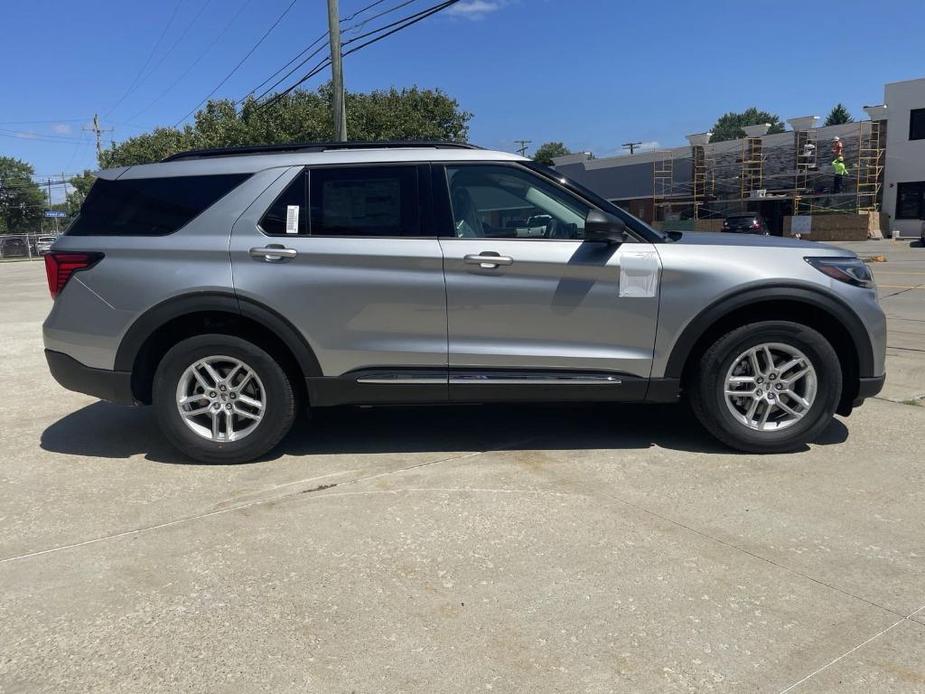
840	168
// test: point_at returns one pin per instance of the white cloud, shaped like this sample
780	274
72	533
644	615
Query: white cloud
61	128
26	135
474	9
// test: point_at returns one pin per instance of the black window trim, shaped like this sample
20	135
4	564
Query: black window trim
920	112
449	233
921	190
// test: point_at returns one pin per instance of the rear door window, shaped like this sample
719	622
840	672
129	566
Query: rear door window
149	206
365	201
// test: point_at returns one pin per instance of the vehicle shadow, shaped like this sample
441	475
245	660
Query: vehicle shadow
103	430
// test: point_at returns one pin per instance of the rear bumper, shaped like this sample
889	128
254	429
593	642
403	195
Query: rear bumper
114	386
868	388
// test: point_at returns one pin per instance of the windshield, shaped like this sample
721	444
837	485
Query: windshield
633	223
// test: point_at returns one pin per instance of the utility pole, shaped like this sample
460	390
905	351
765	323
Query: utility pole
337	73
522	146
48	183
631	146
95	128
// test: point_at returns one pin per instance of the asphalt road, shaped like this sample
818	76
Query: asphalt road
461	549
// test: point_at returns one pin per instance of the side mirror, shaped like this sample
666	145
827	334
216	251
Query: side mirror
603	227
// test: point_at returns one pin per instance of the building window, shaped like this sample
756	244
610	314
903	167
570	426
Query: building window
917	124
910	200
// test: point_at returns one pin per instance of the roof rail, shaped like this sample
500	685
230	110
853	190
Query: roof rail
313	147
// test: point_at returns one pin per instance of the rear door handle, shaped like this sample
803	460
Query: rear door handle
488	259
273	253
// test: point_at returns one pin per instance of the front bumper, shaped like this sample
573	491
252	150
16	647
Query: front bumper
114	386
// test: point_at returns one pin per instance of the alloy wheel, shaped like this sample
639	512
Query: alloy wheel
770	387
221	398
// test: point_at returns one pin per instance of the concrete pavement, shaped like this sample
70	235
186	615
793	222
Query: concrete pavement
457	549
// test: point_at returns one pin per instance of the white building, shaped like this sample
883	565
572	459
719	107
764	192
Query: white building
904	173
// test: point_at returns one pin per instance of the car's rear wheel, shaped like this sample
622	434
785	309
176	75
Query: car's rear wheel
767	387
221	399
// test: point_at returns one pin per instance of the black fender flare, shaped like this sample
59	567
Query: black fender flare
161	314
763	292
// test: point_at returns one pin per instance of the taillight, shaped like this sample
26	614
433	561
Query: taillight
60	266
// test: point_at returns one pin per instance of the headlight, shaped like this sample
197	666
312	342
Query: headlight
850	270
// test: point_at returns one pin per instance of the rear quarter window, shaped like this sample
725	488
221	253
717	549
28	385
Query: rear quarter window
149	206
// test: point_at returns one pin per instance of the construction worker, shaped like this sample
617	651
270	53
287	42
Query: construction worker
841	170
838	147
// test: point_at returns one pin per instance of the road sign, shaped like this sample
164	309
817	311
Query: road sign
57	214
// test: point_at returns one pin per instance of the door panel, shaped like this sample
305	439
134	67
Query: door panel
360	302
557	305
525	292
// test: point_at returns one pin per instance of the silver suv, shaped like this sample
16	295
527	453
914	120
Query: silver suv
230	287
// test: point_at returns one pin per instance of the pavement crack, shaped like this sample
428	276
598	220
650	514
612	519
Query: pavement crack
319	488
832	662
902	291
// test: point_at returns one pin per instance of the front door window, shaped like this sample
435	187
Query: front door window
492	201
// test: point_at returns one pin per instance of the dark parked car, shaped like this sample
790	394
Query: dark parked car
14	247
746	224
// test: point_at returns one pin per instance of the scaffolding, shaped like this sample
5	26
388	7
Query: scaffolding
806	165
750	177
703	178
870	164
663	184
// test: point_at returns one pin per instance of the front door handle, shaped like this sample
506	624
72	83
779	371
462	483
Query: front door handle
488	259
273	253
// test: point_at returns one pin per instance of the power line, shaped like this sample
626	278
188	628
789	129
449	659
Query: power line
35	136
391	24
240	63
286	76
402	24
314	43
322	65
196	62
147	62
522	146
176	42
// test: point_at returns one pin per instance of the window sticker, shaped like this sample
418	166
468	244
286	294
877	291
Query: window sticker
292	219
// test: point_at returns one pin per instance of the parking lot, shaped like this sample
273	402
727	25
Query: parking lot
516	548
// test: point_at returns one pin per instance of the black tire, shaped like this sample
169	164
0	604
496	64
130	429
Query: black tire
279	406
707	388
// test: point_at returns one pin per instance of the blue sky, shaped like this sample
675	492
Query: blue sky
593	73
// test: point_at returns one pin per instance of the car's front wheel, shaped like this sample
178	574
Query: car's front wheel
767	387
221	399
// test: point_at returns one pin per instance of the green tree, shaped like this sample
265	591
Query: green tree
729	126
22	202
838	115
81	186
302	116
548	151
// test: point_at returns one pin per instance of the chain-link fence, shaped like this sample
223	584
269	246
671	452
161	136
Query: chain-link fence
25	246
